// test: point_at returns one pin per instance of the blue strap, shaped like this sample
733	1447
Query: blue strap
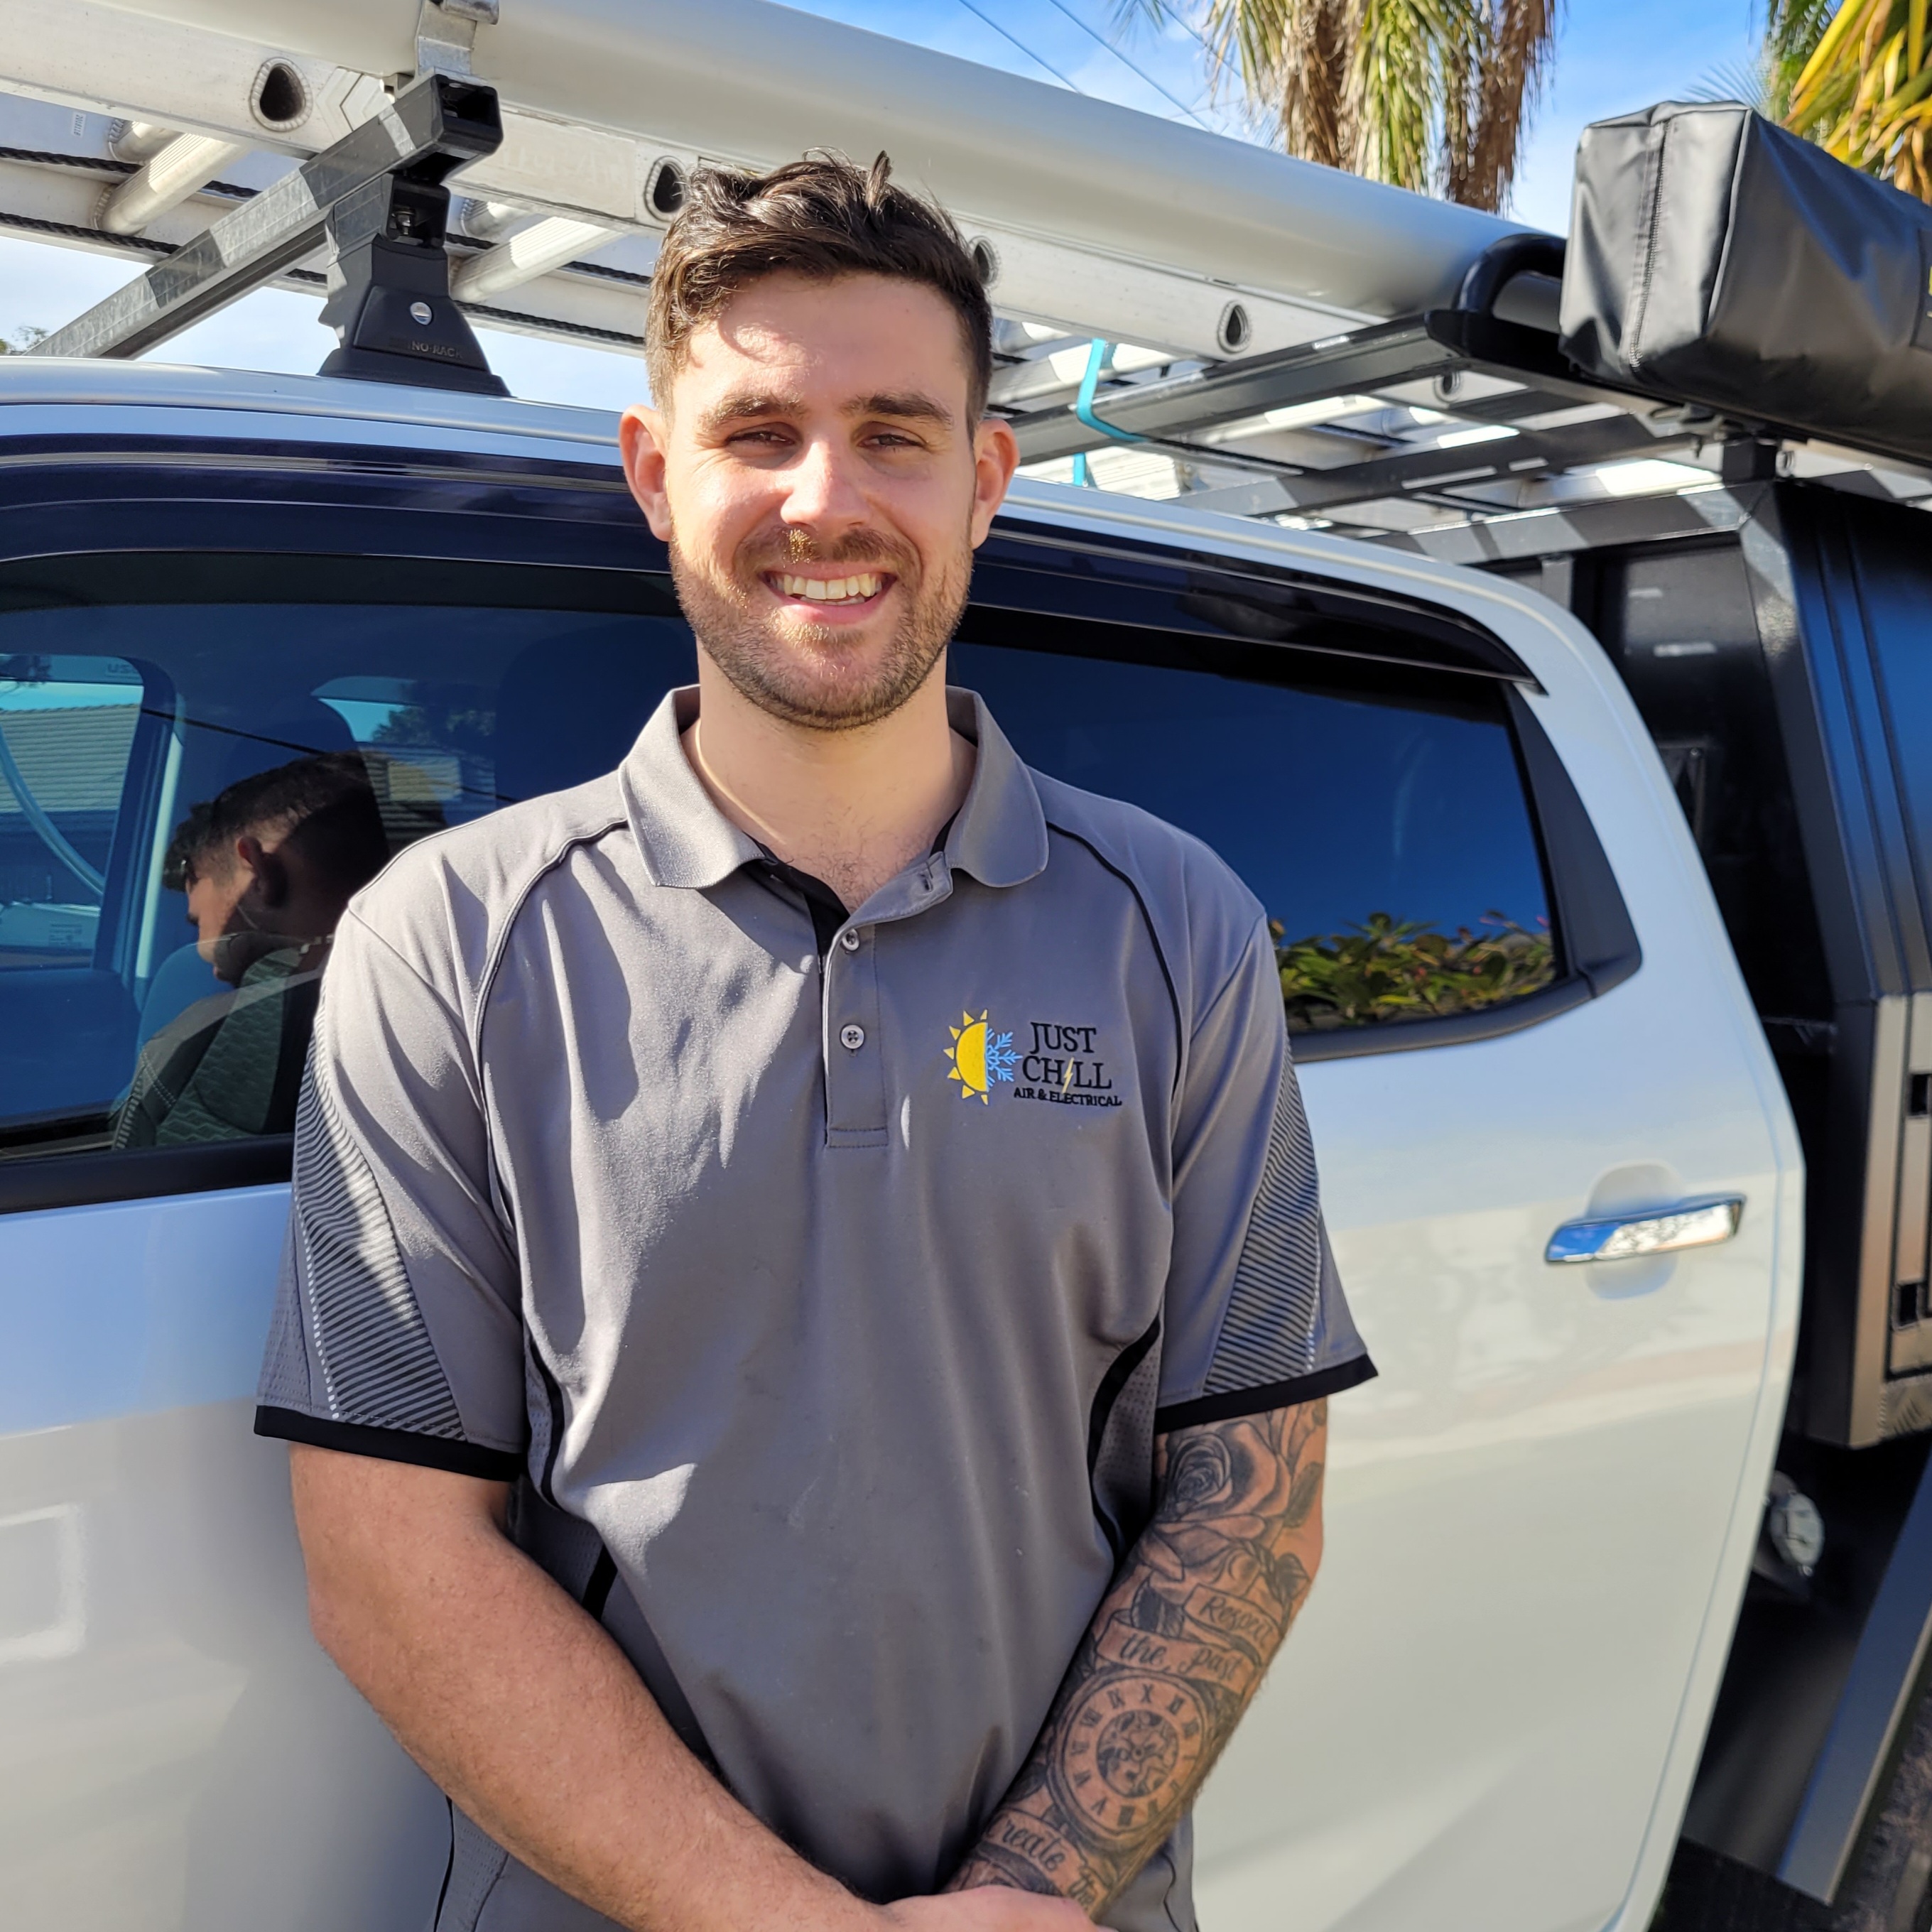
1100	356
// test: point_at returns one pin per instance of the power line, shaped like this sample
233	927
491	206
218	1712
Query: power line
1195	33
1093	34
1188	27
989	21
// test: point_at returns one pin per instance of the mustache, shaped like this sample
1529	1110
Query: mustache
788	550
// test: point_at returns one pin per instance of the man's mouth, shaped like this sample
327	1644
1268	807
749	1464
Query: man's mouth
854	587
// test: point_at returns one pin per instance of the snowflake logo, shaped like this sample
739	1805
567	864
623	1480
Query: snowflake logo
1001	1058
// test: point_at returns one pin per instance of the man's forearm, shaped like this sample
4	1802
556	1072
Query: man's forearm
1176	1651
523	1710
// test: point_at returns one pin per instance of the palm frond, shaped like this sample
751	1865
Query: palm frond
1395	79
1864	92
1753	81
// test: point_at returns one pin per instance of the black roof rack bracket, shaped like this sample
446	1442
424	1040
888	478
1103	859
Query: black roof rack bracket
379	194
388	297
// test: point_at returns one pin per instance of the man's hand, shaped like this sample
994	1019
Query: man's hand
1176	1651
988	1909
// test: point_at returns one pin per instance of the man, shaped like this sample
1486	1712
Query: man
268	866
770	1464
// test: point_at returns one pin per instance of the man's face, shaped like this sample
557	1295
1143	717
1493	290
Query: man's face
215	892
822	491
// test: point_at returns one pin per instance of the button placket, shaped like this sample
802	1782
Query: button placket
855	1077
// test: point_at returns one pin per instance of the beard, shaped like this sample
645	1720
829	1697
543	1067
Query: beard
821	675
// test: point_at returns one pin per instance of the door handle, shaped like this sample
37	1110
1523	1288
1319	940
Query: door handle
1650	1231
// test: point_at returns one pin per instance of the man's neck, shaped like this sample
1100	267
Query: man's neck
852	807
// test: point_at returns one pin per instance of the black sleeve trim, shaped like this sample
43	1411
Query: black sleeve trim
390	1445
1265	1396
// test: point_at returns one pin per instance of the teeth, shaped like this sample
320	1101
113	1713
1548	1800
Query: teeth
831	590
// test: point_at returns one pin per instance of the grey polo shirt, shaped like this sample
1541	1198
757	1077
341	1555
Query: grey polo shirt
822	1286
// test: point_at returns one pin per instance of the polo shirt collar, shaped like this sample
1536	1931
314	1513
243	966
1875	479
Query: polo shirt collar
998	835
686	840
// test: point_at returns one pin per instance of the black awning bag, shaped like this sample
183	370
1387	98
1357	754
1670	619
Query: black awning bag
1716	259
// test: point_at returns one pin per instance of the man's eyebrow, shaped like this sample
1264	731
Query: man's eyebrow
749	404
910	405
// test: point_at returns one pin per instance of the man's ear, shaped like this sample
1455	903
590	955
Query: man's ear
270	872
996	454
643	436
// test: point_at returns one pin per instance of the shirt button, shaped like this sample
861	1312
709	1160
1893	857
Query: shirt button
852	1038
849	939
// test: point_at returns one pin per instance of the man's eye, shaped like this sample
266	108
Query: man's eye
769	438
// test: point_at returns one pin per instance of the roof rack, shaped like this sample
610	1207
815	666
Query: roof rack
1180	315
377	196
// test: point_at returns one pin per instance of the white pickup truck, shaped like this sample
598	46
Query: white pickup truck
1543	1512
1596	830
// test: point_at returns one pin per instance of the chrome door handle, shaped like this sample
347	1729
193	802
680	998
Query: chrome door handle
1651	1230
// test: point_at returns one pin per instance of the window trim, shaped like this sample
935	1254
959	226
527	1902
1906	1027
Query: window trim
30	1184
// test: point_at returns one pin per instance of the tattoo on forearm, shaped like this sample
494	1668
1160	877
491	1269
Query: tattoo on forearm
1177	1648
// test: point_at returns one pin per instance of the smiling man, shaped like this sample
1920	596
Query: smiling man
807	1319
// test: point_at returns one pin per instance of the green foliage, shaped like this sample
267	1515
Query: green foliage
1792	30
19	345
454	724
1864	92
1387	969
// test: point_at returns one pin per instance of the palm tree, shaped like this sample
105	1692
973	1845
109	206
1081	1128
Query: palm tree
1425	93
1860	83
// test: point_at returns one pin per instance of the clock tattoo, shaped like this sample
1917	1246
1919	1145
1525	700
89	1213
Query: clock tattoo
1133	1747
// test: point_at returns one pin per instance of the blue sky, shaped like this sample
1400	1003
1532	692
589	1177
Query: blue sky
1613	56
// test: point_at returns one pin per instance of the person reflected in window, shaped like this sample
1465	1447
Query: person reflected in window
268	866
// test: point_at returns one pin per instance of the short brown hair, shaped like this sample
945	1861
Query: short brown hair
325	801
822	217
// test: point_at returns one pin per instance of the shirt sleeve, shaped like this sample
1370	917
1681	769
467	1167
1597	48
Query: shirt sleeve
1255	1317
397	1331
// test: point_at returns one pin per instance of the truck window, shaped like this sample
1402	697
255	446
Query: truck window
1379	816
147	1000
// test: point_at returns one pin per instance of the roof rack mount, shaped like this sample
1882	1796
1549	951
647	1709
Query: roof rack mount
378	196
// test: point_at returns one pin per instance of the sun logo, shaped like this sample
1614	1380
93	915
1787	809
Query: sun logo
980	1058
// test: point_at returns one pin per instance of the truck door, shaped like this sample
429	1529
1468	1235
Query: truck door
1514	1009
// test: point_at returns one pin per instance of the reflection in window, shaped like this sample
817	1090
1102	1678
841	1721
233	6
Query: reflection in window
190	794
67	724
267	868
1379	816
1390	969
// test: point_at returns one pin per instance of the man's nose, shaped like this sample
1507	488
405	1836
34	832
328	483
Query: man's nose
823	493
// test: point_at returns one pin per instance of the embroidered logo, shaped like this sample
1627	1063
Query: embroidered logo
1064	1067
981	1057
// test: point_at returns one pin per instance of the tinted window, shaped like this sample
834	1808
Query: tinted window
189	793
144	745
67	727
1381	819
